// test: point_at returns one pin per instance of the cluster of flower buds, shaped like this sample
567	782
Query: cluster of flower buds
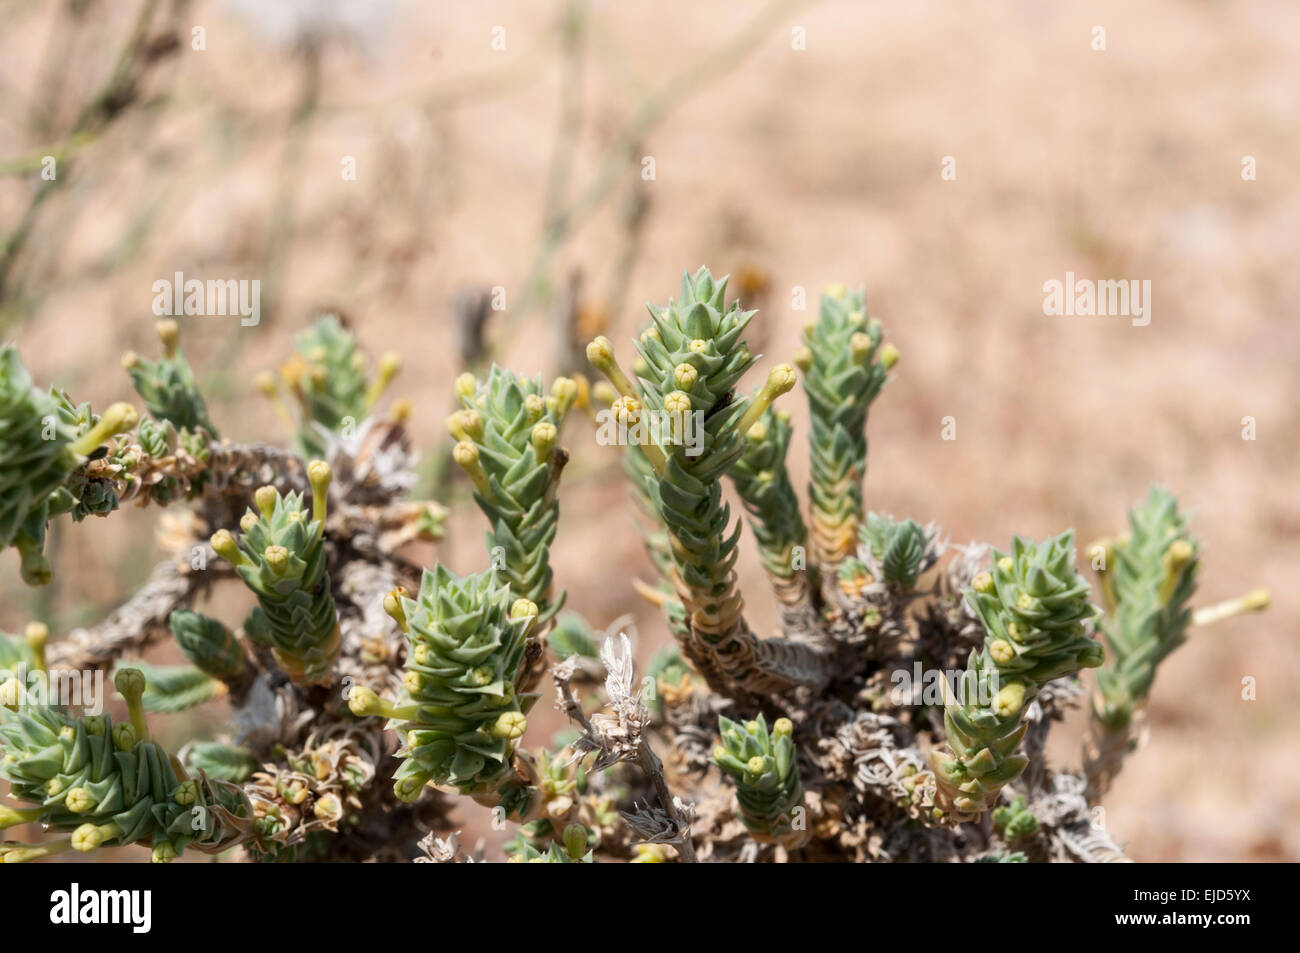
1034	608
690	361
44	442
460	714
506	441
844	366
105	784
1148	577
330	384
763	482
1014	821
768	792
167	385
280	555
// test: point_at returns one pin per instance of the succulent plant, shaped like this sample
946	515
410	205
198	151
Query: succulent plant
1014	821
1034	609
845	367
329	382
506	437
571	850
105	784
207	643
280	555
1148	576
167	385
899	549
1148	581
41	446
691	360
764	486
763	765
847	771
460	713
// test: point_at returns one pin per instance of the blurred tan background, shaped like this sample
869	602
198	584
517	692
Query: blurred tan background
794	144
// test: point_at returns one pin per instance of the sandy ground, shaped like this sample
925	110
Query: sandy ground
807	165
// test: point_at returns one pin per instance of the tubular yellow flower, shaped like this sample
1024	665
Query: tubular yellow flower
466	456
600	354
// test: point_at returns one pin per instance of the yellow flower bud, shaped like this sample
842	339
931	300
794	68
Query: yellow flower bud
224	543
523	609
363	702
543	438
1009	699
129	682
88	837
600	354
510	725
677	402
277	558
123	737
169	333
